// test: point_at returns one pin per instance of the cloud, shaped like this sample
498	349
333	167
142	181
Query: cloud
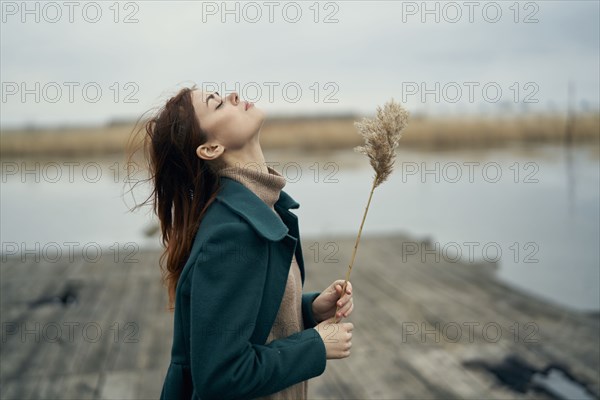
373	49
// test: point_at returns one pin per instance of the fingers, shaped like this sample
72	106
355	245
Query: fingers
339	285
349	309
342	301
346	310
348	287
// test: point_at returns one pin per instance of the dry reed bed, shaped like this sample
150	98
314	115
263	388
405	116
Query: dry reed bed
324	133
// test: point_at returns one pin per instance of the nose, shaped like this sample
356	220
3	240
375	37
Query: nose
234	98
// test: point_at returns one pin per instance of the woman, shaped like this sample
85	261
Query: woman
242	326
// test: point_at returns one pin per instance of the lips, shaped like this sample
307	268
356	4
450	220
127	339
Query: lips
248	105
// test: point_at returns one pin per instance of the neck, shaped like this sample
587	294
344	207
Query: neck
248	157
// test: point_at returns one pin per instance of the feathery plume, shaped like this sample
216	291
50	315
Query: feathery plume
382	136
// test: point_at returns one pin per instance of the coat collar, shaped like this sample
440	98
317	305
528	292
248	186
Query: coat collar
253	209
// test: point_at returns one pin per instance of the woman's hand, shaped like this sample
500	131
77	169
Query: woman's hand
325	304
337	338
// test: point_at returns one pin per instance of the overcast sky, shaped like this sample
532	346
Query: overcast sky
296	57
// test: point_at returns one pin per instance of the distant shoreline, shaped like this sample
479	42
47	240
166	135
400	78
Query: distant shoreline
325	132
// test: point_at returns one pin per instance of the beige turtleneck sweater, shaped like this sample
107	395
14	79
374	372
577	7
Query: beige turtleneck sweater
289	317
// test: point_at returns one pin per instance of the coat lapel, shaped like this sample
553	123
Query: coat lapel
284	237
251	208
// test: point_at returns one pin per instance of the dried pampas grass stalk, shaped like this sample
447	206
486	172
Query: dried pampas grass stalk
382	135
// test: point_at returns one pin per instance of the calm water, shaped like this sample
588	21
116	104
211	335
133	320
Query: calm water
535	211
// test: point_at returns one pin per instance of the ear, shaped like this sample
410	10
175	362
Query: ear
209	151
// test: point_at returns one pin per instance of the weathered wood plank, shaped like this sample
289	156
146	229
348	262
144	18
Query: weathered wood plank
388	361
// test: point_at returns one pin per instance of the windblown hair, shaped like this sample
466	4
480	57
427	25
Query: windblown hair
183	184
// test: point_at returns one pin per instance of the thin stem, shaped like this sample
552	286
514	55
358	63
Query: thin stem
355	247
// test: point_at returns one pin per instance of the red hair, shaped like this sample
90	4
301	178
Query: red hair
184	185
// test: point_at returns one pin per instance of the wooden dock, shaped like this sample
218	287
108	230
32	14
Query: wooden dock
437	330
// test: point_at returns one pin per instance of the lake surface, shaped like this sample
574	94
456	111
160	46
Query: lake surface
534	211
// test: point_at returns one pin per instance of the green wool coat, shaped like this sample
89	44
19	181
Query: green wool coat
227	298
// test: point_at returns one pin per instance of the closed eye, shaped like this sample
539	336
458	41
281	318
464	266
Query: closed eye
220	104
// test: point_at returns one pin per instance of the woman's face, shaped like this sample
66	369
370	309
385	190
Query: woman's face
229	122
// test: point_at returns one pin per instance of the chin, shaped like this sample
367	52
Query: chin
260	116
260	112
